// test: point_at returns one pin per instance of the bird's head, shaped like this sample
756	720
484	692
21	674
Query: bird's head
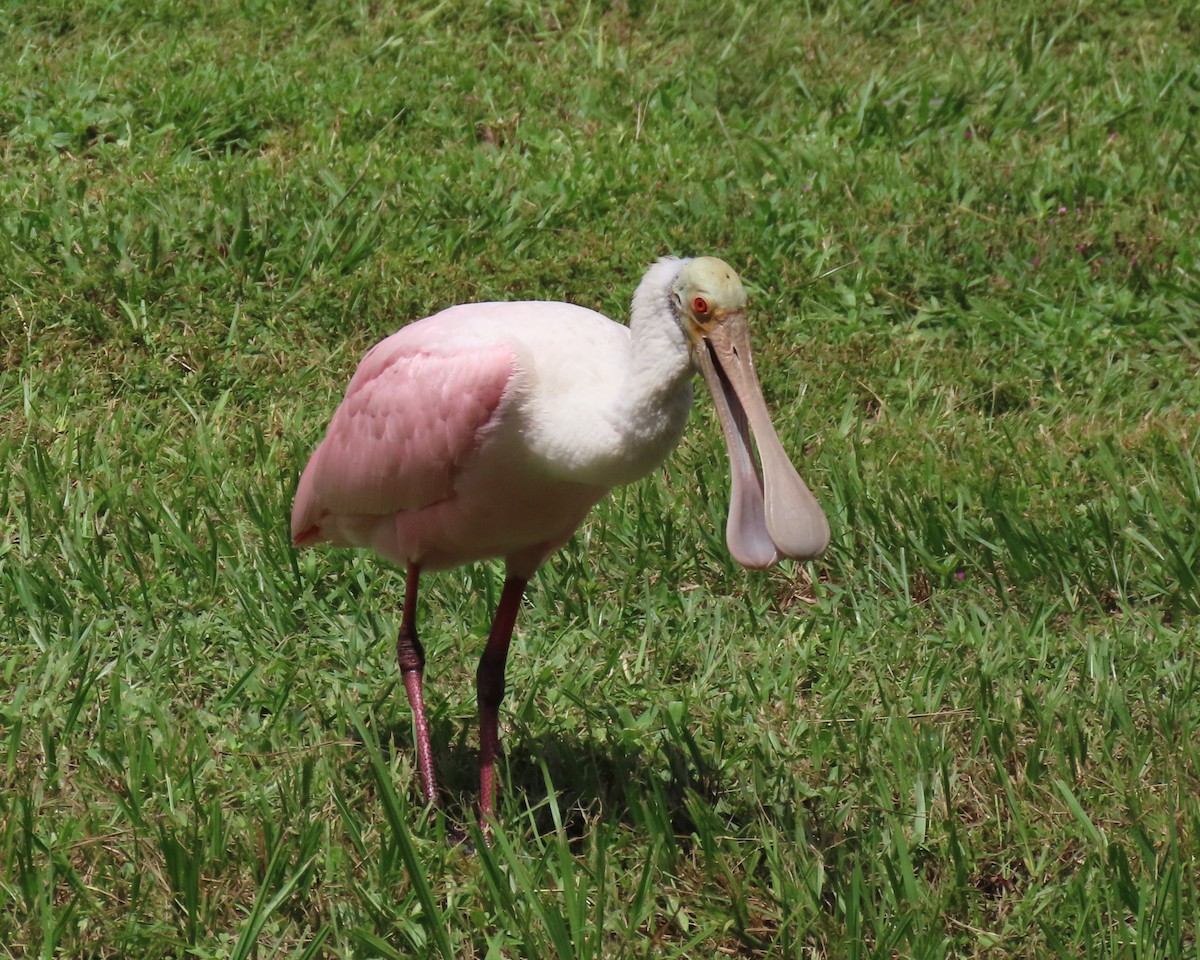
771	512
706	293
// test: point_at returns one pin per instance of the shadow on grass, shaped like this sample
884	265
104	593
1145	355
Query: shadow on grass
639	787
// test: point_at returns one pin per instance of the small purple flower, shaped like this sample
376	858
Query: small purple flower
1112	136
807	187
968	133
1062	209
960	574
1034	261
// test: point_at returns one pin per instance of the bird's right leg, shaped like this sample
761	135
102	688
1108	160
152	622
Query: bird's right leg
489	683
411	657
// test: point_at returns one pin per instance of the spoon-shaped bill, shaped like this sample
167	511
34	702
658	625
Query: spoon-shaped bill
774	514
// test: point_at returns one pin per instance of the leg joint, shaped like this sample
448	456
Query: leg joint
489	682
409	652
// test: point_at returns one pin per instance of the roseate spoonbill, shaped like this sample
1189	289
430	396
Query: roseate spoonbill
491	429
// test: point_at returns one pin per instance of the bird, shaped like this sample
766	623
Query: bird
490	430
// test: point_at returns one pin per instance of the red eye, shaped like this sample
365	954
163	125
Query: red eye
700	305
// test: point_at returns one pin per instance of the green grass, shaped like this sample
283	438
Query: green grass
972	729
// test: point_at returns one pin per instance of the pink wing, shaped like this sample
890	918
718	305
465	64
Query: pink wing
411	415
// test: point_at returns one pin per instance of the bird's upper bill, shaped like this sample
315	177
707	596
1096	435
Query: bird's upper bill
772	514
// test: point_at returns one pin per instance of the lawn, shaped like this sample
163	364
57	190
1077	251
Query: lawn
971	235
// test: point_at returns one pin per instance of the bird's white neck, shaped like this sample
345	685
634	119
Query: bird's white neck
656	391
612	418
662	364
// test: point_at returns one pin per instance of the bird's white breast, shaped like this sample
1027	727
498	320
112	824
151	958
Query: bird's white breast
573	410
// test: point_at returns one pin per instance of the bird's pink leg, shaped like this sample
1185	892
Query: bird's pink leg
411	657
489	684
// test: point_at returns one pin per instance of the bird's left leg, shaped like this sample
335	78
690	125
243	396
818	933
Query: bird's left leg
489	684
411	657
